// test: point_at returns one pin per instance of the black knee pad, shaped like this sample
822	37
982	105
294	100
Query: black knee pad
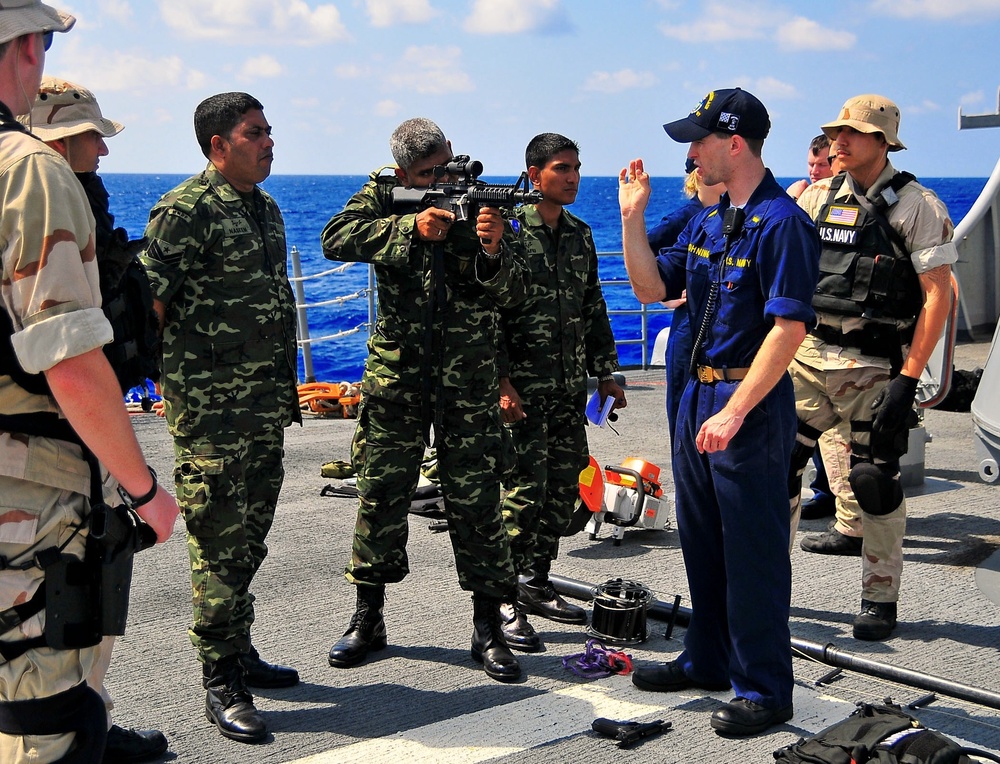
876	488
802	450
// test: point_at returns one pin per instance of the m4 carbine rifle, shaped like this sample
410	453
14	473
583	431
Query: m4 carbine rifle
457	188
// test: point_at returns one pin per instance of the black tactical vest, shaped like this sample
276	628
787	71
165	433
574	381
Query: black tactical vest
861	272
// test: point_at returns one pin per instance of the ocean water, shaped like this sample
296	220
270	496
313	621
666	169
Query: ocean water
308	201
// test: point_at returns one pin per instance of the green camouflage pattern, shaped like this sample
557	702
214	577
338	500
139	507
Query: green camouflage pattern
552	341
825	399
217	263
551	444
453	371
227	487
465	331
564	311
387	452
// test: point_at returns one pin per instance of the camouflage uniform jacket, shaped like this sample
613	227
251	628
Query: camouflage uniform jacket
561	331
229	356
465	328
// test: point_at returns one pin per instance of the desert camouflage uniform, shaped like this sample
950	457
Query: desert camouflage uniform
216	260
553	338
447	362
51	292
834	384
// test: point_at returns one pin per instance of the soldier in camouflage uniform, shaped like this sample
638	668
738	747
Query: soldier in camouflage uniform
57	393
553	339
881	304
431	360
216	259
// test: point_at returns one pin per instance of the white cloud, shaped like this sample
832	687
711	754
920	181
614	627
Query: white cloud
722	23
431	70
387	13
938	9
494	17
923	107
286	22
616	82
805	34
772	89
260	67
387	108
118	70
351	71
117	10
972	99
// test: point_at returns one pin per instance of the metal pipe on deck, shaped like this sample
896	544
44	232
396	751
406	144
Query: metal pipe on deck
828	653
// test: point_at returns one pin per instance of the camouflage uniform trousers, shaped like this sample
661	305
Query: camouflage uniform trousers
551	445
41	672
227	487
387	452
823	399
835	449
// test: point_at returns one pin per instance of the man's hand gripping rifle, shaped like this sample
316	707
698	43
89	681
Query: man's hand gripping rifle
458	190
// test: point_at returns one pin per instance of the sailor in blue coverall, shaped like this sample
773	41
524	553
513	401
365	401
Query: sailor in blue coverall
750	298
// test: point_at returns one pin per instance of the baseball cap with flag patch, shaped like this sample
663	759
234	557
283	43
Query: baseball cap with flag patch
732	111
21	17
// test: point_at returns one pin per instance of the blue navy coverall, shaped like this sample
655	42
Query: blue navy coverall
679	342
732	505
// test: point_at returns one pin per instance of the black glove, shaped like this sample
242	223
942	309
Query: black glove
894	416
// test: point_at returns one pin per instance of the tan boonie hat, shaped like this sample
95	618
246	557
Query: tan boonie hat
21	17
868	114
62	109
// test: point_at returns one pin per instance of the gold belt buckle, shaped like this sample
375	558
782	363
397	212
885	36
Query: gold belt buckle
705	375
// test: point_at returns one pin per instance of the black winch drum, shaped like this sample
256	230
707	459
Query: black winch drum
619	615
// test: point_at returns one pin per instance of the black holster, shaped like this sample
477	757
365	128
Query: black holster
78	710
87	599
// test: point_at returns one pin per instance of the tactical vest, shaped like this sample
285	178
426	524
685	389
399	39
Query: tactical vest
862	271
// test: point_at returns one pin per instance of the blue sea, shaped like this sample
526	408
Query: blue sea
308	201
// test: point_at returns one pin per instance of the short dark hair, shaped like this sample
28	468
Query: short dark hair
219	114
819	144
544	146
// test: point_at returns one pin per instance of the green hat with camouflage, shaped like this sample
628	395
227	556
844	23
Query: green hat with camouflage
21	17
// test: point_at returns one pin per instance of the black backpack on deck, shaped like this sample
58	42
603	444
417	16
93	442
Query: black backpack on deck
878	734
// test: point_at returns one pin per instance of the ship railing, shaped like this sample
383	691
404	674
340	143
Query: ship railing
611	289
305	342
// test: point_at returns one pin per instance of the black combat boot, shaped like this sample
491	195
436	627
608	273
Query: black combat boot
228	703
366	632
488	644
260	673
537	595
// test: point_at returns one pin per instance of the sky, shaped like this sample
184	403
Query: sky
336	77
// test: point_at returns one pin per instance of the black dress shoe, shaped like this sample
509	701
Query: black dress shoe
125	746
262	674
833	542
814	509
875	621
541	598
520	634
741	717
670	677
